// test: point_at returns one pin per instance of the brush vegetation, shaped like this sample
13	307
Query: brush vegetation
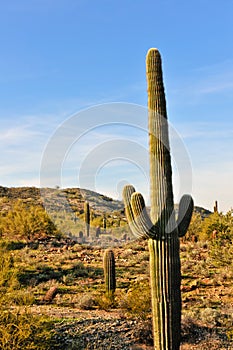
30	267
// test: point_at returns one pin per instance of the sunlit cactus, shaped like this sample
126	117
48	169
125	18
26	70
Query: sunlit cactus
160	227
87	218
109	272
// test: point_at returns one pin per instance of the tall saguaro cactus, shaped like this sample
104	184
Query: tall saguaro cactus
87	217
109	272
160	228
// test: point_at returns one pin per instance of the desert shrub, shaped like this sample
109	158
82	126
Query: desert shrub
195	227
8	272
87	302
17	297
221	223
210	316
220	245
229	334
221	252
26	222
22	330
79	270
19	330
137	301
105	302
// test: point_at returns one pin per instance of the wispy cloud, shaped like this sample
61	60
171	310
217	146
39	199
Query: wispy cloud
21	148
209	80
205	130
17	136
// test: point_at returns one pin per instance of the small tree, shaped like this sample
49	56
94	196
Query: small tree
195	227
26	222
221	224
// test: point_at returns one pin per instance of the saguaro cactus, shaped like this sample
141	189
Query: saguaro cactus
216	207
109	272
104	223
87	217
160	228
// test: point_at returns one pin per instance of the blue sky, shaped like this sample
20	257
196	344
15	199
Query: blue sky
60	57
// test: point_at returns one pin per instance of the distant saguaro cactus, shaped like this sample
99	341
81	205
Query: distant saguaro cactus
87	217
160	228
97	232
81	237
216	207
104	223
109	272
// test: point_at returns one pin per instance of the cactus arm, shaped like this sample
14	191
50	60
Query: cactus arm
185	212
127	193
136	214
142	219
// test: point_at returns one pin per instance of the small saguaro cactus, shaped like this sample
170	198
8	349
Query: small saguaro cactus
109	272
81	237
160	228
97	231
104	223
87	217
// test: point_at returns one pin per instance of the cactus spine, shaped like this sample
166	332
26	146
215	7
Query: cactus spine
160	228
87	217
109	272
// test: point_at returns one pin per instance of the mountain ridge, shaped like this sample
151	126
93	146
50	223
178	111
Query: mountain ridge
72	197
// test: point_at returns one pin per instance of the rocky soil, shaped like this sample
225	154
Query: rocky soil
100	330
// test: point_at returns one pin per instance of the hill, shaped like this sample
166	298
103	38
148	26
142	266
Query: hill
55	199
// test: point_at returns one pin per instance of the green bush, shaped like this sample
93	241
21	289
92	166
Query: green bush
221	252
18	297
105	302
26	222
195	227
22	330
221	223
8	272
137	301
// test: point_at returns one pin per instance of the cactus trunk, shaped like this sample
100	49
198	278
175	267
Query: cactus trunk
87	218
109	273
104	223
161	228
165	292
